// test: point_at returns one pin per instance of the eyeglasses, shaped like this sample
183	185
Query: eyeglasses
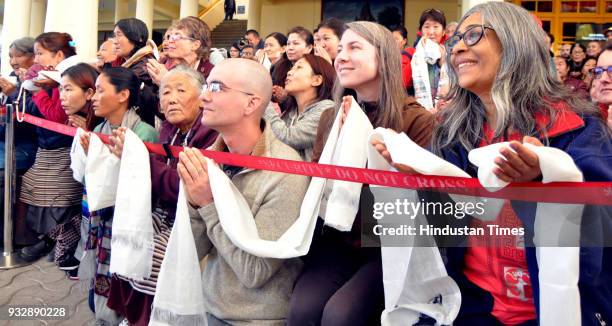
217	87
470	37
597	72
178	37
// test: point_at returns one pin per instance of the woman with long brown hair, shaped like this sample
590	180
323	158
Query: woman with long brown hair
342	283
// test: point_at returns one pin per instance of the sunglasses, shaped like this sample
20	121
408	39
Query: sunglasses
597	72
470	37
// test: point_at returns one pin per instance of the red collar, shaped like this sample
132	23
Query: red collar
603	108
566	120
118	62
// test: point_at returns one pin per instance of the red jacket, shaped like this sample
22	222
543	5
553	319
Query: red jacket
407	55
603	108
406	66
50	105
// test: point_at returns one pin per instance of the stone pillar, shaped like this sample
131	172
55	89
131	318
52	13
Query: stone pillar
144	12
37	17
121	9
254	15
16	25
83	27
189	8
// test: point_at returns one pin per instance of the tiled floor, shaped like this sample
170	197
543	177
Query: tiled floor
43	283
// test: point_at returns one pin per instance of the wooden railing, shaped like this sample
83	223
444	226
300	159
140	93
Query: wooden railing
208	7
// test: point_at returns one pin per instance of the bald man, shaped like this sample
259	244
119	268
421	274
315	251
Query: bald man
240	288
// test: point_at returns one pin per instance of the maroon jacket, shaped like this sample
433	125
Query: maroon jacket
204	67
578	87
164	177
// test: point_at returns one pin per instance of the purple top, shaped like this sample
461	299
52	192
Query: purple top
164	177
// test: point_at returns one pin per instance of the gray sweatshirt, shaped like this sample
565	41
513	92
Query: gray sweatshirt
238	287
298	131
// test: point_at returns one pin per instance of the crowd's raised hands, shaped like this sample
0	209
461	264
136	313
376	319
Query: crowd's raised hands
156	70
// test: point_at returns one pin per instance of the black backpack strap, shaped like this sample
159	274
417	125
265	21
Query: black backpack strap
406	53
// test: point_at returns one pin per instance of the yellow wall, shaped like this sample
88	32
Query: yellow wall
281	15
414	8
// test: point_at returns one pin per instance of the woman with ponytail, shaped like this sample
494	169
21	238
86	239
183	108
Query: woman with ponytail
77	88
117	100
49	195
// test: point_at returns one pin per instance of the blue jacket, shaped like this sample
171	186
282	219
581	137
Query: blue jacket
587	140
26	143
46	139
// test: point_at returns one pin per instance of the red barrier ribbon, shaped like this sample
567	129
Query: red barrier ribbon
597	193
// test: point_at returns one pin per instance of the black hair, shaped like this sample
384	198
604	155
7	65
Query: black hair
577	45
279	71
305	34
141	98
55	42
335	25
402	30
432	14
84	76
280	37
135	30
252	31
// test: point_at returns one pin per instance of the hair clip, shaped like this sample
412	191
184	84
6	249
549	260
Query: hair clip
72	44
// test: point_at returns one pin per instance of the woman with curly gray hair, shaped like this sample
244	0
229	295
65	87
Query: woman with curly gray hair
188	43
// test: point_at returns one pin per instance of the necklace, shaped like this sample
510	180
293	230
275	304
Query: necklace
184	143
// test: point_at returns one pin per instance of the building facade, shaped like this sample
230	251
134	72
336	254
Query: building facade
571	21
91	21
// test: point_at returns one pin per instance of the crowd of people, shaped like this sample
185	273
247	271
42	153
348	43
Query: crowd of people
489	78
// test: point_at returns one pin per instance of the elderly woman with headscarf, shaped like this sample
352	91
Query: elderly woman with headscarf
179	91
188	43
503	90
